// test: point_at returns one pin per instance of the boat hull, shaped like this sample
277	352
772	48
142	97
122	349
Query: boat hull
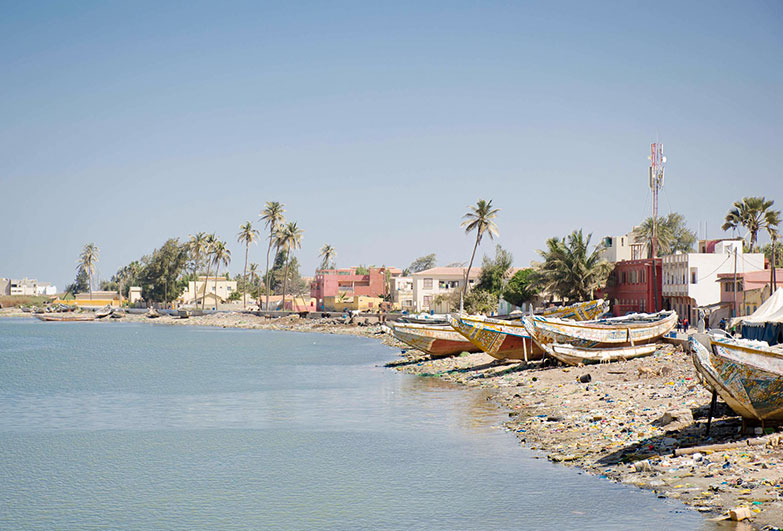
434	340
581	311
572	355
71	318
749	380
503	340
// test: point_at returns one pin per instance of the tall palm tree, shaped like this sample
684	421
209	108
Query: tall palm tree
197	247
289	238
327	254
753	213
247	235
87	261
479	218
220	255
211	239
253	270
569	269
273	217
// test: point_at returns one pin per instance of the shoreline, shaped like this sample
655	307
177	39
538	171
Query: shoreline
623	424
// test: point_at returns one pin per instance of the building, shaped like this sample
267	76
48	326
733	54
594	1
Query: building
349	282
630	287
690	279
218	290
25	286
5	286
45	288
360	303
626	247
746	295
402	293
430	283
134	295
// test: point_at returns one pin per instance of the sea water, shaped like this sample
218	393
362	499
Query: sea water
141	426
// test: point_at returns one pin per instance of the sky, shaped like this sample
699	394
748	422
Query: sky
375	123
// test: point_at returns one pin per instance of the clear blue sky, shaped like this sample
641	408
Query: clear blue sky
126	123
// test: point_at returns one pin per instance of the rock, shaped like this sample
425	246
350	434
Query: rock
682	415
643	466
669	441
663	420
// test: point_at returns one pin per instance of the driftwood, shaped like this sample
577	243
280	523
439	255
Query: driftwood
773	440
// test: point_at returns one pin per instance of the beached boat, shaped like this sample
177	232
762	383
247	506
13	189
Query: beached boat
103	312
508	338
500	339
746	374
573	355
64	317
434	339
631	330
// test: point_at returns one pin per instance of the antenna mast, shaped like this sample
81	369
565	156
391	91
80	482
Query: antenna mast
657	163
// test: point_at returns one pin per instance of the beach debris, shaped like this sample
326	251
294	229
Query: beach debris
739	514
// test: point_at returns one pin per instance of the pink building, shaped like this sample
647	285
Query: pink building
333	282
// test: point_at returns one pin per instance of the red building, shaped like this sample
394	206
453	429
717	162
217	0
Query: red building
630	286
332	282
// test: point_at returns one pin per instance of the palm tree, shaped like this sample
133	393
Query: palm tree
753	213
569	269
253	270
197	247
87	261
289	238
273	217
220	255
479	218
211	239
327	255
247	235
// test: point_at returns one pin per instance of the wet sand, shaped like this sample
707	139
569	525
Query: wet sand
624	424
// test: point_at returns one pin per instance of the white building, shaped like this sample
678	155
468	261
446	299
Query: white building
402	292
44	288
218	290
626	247
25	286
430	283
690	280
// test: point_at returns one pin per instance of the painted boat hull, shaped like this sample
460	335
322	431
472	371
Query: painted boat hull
616	332
572	355
50	317
748	379
503	340
581	311
434	340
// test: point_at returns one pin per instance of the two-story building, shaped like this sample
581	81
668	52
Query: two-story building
430	283
743	293
216	291
631	286
690	280
402	293
626	247
348	282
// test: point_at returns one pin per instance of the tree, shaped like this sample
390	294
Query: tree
755	214
80	284
253	270
476	301
289	239
211	239
420	264
273	218
161	274
362	270
521	289
87	261
327	254
247	235
671	234
197	250
569	269
220	255
479	219
494	271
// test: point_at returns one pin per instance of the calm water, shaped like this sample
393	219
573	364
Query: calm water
137	426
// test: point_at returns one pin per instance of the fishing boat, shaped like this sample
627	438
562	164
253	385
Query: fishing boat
64	317
434	339
573	355
631	330
746	374
508	338
500	339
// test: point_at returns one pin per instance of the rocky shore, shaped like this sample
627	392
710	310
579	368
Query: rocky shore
640	422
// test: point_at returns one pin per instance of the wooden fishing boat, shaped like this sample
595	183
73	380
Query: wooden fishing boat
747	375
631	330
435	340
573	355
581	311
64	317
503	340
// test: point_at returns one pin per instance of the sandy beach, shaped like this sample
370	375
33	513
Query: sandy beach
622	421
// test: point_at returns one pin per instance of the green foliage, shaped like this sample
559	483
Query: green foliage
755	214
521	288
80	284
767	250
161	277
494	272
235	296
362	270
671	232
570	269
476	301
479	219
427	261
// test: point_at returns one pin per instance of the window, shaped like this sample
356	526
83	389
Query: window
427	301
427	283
694	275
